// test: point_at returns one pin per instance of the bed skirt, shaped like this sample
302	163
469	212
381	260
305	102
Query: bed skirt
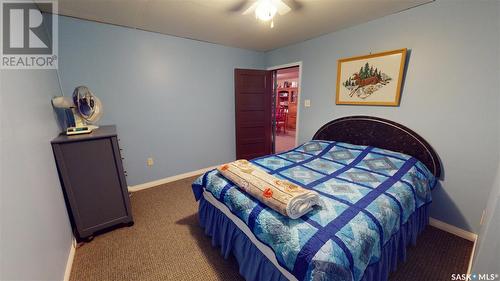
254	265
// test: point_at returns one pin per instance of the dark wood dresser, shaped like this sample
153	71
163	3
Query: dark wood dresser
93	181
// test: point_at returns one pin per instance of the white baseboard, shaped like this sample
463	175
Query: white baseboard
458	232
150	184
69	263
453	229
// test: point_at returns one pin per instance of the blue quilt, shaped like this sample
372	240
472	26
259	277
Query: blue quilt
368	194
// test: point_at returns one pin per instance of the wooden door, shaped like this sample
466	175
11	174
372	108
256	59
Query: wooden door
253	103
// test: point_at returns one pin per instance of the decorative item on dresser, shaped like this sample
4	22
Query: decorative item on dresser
86	110
93	181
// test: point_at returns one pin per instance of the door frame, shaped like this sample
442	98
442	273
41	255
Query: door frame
299	105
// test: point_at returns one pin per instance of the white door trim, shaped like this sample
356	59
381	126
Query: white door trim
299	64
69	262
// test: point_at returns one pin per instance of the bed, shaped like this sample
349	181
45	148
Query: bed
375	178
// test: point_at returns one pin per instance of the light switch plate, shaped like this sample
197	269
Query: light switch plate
307	103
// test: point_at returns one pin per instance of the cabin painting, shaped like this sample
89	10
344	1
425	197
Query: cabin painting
371	80
366	81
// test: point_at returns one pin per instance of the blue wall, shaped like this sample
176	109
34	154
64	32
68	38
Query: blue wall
450	95
487	255
171	98
35	233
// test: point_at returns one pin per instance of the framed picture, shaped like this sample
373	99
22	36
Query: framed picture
373	79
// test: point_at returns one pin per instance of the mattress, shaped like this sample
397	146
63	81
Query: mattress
369	196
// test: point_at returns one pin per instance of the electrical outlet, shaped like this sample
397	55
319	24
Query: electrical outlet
150	162
307	103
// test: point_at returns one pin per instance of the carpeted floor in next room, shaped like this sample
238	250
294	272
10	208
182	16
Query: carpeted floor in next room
167	243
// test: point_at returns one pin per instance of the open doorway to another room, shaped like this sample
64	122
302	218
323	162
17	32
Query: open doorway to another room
286	101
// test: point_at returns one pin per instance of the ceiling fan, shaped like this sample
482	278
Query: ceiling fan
265	10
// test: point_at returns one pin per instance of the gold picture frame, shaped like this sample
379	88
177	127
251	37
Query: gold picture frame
371	79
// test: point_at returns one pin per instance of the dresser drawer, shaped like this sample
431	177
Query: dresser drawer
93	182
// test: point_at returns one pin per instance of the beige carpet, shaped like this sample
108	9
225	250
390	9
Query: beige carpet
167	243
284	141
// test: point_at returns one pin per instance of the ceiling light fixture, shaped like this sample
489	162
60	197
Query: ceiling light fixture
265	10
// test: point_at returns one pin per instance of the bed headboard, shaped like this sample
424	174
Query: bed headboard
382	133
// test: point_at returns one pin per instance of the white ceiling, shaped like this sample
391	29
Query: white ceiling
212	20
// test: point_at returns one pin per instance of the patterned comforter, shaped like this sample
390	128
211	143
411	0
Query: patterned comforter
368	194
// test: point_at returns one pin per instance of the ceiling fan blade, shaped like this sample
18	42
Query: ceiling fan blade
238	7
250	9
294	4
281	6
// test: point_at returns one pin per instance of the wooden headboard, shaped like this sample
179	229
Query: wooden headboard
381	133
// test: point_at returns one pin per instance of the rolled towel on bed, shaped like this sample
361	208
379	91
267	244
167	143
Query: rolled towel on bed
282	196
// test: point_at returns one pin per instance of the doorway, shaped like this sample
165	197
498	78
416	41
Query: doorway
267	104
286	93
254	116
